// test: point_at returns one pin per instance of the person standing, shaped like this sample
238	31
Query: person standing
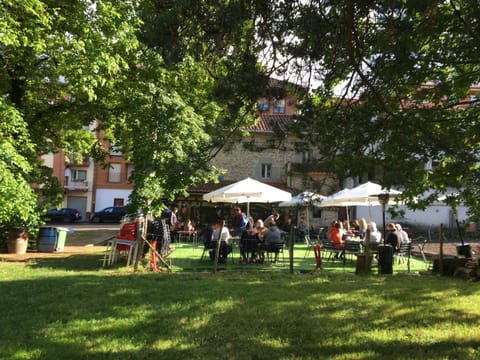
239	221
273	218
170	217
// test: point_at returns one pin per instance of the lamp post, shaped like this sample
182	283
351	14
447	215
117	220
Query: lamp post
383	199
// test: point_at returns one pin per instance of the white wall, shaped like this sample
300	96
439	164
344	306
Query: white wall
433	215
104	197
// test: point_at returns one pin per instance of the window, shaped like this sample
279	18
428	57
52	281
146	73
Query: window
114	172
307	156
79	175
266	171
279	106
129	171
262	104
115	150
118	202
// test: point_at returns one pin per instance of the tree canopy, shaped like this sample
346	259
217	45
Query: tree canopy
172	82
164	81
392	83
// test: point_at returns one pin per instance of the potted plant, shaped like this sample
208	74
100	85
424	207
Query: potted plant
17	240
18	217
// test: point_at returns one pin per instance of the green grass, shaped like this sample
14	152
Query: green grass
71	308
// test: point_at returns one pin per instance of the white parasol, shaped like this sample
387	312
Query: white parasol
248	191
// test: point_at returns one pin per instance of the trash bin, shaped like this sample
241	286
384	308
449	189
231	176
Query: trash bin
464	251
385	259
47	239
61	238
51	239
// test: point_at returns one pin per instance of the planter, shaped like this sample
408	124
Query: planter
17	241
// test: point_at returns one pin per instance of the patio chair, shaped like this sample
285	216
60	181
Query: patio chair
275	248
225	250
329	250
310	244
404	253
249	249
122	244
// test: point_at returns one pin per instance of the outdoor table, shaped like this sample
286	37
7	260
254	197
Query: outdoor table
188	236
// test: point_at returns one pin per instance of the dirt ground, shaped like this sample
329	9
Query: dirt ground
432	250
72	247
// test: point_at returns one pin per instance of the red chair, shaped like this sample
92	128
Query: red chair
123	243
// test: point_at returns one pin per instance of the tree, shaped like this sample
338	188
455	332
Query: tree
189	94
169	105
391	90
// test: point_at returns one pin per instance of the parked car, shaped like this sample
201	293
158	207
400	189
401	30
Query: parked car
109	214
63	214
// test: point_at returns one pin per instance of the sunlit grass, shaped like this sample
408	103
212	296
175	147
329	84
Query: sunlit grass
72	308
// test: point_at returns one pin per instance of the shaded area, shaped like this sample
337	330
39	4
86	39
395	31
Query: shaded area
236	316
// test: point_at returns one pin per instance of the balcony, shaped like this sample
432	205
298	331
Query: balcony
84	161
77	185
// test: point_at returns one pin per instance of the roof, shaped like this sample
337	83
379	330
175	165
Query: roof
269	123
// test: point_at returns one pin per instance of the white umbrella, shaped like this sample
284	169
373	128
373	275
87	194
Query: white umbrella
304	199
248	191
367	194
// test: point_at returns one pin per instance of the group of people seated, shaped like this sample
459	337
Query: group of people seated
341	231
213	233
256	240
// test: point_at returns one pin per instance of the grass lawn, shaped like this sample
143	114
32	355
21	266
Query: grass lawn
70	308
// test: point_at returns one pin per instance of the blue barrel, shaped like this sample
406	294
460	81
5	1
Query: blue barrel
47	239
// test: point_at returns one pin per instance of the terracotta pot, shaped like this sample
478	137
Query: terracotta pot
17	240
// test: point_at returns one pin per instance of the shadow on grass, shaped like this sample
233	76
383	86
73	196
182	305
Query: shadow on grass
75	262
234	316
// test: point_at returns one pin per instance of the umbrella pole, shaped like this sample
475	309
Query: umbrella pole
308	222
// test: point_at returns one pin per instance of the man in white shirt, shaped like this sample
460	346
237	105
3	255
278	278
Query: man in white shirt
222	234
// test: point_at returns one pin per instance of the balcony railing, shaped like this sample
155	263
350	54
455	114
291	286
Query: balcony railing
77	185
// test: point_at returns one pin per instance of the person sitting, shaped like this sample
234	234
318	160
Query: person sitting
248	243
335	236
188	226
402	235
362	228
272	235
375	236
391	237
260	229
221	233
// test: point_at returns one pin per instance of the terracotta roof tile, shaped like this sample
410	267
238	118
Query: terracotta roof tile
267	123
